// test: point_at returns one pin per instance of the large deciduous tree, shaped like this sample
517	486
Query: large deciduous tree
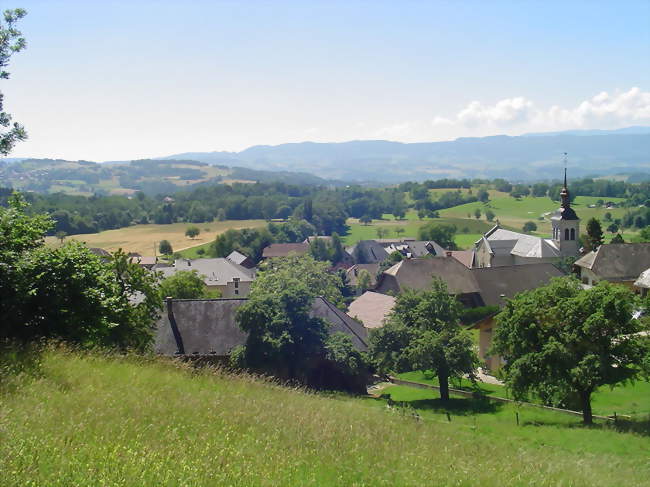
11	42
183	285
276	275
423	332
440	233
561	341
594	237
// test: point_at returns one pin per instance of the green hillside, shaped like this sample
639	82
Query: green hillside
91	420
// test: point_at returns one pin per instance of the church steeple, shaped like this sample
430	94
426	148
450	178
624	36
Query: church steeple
564	194
565	222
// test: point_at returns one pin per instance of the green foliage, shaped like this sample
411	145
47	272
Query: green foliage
489	215
561	341
472	315
483	196
282	337
165	248
364	280
530	227
319	250
340	351
192	232
440	233
477	213
423	333
617	239
68	292
11	42
365	219
277	275
594	238
183	285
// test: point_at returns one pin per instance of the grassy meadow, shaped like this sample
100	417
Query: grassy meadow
143	238
89	420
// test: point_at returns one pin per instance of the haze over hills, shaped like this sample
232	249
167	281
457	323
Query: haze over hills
526	157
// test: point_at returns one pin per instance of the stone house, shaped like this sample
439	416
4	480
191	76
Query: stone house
230	279
618	263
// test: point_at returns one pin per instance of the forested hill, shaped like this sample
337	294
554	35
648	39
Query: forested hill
148	176
526	158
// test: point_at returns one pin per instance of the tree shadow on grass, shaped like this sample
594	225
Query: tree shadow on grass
639	426
457	406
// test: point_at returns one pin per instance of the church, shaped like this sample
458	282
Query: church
501	247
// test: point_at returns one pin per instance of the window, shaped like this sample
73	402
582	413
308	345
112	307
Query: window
236	281
236	291
573	234
566	234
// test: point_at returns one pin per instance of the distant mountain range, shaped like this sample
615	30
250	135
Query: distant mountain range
526	157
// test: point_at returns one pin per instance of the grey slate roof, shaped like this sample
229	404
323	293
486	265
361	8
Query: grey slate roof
511	280
482	286
502	241
215	272
377	250
284	249
240	259
617	262
208	326
352	273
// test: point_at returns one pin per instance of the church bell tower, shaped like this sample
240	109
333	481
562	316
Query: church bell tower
566	224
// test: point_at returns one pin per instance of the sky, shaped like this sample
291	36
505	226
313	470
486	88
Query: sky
115	80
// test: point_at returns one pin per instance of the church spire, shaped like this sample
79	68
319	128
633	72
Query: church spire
564	194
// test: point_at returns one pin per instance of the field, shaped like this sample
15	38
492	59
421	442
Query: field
469	230
90	420
143	238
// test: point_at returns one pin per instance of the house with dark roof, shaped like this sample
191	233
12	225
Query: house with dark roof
208	326
352	274
619	263
230	279
501	247
378	250
284	250
371	308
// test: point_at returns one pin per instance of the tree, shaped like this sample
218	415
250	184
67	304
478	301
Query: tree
530	227
282	336
382	232
364	281
561	340
275	275
319	250
489	215
192	232
365	219
68	292
612	228
399	230
183	285
61	235
477	213
165	247
11	42
440	233
594	237
423	332
607	216
483	196
644	235
618	239
336	249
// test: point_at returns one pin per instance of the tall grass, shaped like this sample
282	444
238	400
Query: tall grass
96	420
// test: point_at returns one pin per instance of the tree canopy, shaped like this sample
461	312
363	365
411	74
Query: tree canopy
423	333
561	342
183	285
440	233
11	42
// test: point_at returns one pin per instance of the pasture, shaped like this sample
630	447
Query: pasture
83	420
143	239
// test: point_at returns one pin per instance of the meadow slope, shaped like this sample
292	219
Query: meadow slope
91	420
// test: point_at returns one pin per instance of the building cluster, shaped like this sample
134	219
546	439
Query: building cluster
502	264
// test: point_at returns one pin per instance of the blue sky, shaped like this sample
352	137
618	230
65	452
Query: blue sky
121	80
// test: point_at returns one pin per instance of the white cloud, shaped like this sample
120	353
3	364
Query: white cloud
510	111
601	111
397	130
